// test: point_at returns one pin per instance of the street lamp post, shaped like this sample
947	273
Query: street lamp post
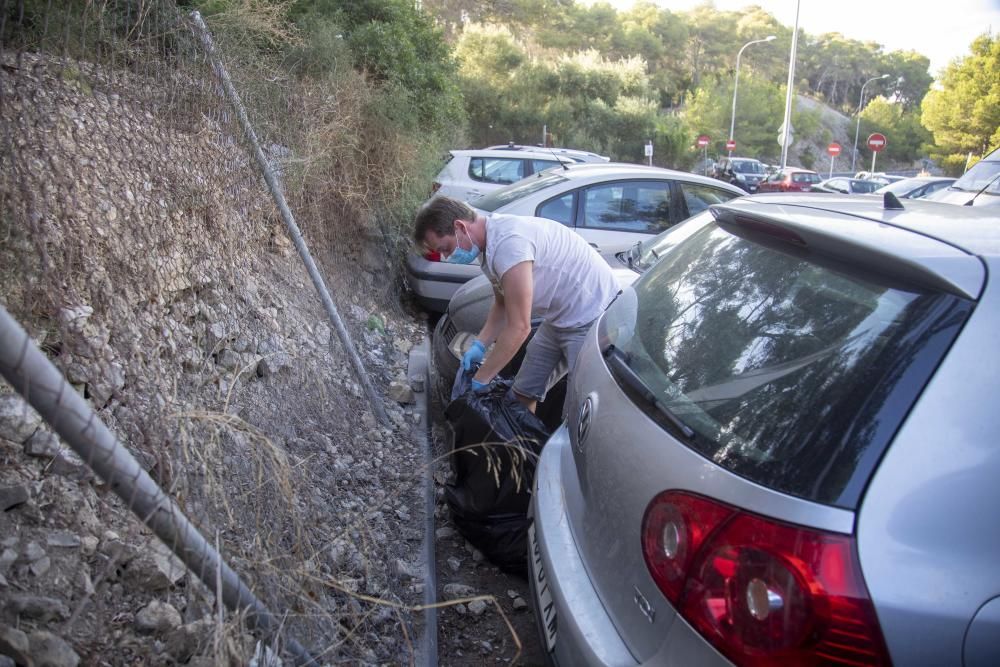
857	127
736	83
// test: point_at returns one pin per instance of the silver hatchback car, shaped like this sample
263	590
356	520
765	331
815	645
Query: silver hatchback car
780	447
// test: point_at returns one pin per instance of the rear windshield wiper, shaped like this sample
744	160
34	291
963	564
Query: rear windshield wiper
618	360
633	254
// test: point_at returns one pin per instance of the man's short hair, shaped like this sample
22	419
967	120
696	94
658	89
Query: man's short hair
439	215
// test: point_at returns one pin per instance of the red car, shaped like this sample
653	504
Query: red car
790	180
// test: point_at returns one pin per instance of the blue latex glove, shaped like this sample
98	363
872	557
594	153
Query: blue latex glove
473	356
480	387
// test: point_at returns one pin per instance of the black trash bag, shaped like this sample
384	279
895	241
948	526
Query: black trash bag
496	447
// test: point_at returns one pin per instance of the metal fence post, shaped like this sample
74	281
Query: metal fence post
289	220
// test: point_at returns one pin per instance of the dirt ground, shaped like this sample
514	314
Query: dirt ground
501	631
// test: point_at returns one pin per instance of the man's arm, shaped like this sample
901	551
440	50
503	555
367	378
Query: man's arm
516	307
495	320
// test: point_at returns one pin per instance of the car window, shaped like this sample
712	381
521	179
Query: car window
630	206
496	169
542	165
864	187
803	177
559	209
511	193
790	372
838	184
699	197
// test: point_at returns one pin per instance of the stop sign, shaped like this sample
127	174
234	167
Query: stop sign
833	149
876	141
703	140
731	145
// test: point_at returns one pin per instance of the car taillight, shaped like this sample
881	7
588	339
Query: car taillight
764	593
435	186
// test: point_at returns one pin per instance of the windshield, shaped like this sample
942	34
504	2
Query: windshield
979	176
900	187
505	195
787	372
748	167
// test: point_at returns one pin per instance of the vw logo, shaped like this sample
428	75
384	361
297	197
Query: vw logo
586	412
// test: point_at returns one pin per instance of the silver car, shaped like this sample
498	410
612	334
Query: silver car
780	447
611	205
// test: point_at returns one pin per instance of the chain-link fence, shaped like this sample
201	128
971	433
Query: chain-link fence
143	254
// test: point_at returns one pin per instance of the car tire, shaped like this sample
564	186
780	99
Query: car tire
440	379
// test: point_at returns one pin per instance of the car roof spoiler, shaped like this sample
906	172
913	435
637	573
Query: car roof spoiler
917	260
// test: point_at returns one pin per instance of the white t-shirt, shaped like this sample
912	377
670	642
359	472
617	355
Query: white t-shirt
572	284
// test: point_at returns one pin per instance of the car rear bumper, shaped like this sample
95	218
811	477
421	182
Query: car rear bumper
434	283
584	633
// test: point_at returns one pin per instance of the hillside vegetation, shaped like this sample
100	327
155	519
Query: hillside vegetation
456	73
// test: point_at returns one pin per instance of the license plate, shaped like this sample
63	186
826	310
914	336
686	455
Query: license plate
544	605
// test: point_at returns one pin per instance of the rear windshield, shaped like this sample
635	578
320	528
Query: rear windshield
494	200
801	177
748	167
787	372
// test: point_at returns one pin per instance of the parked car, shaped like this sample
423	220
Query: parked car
879	177
469	174
790	180
571	153
743	172
612	205
779	447
980	186
847	186
916	187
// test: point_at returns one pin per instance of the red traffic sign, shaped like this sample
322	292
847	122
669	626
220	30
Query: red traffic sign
703	140
731	145
876	141
833	149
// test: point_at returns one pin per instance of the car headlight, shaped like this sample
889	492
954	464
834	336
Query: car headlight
740	177
461	343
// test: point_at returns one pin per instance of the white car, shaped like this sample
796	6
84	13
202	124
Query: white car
469	174
612	205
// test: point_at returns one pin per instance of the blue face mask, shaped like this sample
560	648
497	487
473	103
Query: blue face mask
463	256
460	255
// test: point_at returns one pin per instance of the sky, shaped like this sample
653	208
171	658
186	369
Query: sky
939	29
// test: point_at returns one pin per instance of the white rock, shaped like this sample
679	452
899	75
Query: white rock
458	591
18	420
52	651
43	444
157	617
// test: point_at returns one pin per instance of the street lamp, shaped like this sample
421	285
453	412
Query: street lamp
736	83
857	128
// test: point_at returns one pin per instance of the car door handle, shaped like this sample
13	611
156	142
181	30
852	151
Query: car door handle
595	246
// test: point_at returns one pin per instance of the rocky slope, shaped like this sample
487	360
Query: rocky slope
141	252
